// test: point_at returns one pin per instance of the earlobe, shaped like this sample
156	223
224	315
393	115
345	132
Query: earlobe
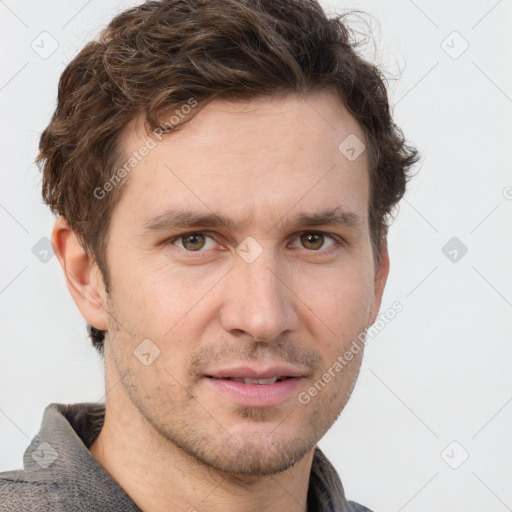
83	278
381	276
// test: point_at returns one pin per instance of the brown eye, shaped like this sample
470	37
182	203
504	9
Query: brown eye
312	241
200	242
193	241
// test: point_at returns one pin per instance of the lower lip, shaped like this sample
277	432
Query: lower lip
256	395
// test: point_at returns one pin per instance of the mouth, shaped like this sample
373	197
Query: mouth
247	380
256	387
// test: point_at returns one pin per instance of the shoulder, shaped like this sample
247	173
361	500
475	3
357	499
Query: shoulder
22	490
18	491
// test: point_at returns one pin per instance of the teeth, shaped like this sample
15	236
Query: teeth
270	380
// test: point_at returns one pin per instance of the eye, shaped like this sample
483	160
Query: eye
193	242
315	240
200	242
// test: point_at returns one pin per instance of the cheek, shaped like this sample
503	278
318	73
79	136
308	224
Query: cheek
165	305
340	313
152	295
342	296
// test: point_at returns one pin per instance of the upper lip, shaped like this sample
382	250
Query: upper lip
252	372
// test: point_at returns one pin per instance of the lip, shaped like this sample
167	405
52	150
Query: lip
256	395
252	372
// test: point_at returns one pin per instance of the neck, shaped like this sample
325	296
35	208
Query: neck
160	476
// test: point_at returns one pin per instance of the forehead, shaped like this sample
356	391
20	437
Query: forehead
250	158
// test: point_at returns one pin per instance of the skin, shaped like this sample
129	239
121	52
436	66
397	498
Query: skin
170	440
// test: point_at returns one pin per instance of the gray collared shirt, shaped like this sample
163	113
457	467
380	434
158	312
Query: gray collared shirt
60	474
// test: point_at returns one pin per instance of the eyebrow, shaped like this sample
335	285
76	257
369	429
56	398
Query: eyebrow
178	218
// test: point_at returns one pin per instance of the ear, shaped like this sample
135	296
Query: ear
83	278
381	276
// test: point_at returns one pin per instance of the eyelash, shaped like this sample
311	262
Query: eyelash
338	242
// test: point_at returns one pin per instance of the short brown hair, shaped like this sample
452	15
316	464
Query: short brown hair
155	57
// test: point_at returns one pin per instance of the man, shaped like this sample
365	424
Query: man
223	172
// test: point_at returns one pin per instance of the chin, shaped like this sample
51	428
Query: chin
259	456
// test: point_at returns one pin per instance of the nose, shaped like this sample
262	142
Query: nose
260	301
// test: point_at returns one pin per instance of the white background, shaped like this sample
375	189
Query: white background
439	372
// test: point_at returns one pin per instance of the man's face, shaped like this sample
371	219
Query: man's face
267	295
